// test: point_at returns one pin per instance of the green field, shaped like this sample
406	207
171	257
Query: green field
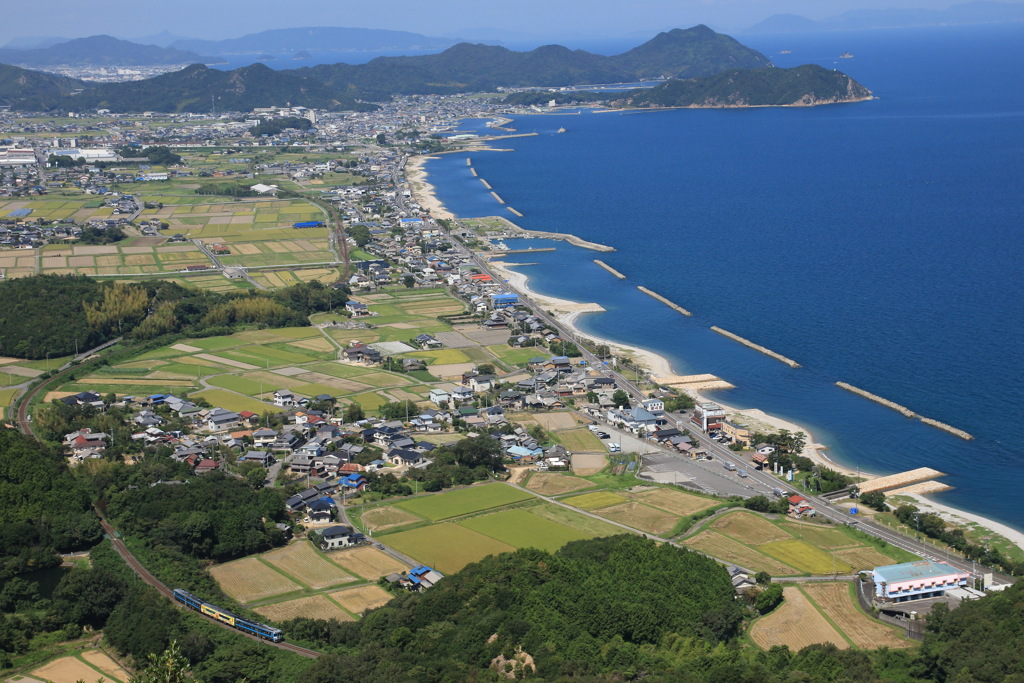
447	547
230	401
577	440
464	501
587	525
522	529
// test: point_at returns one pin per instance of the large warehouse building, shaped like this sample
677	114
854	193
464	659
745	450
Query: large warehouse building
916	580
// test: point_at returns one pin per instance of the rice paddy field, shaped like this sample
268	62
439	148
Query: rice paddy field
522	529
447	547
465	501
824	613
787	548
242	371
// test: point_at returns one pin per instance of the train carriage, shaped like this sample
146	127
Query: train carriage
224	616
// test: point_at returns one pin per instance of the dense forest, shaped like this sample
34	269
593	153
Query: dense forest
56	315
43	508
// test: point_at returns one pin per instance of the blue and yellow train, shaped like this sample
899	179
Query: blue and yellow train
241	623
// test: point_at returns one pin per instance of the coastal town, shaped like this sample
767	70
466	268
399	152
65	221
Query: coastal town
432	410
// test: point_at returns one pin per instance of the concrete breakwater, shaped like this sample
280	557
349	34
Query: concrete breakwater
486	184
948	428
514	211
902	410
503	252
905	411
469	162
495	195
473	171
757	347
609	269
671	304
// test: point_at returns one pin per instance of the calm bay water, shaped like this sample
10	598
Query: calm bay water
876	243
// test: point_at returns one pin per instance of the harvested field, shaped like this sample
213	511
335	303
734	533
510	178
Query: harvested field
835	600
368	563
642	517
585	464
725	548
447	547
804	556
596	500
795	623
554	483
249	579
362	599
303	563
313	607
449	371
747	527
864	557
554	421
67	670
464	501
103	662
676	502
388	517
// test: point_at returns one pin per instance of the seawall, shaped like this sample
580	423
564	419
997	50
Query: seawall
609	269
907	412
757	347
671	304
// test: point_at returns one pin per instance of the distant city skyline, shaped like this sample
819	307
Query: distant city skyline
561	20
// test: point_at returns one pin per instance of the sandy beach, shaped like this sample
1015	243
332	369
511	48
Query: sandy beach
566	312
422	191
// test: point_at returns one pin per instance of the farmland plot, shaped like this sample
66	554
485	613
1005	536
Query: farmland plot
360	600
795	623
640	516
725	548
747	527
249	579
554	483
368	563
313	607
865	632
676	502
303	563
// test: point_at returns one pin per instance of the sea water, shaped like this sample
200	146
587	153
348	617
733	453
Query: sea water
876	243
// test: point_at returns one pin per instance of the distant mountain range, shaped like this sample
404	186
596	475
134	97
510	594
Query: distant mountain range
978	12
697	52
316	39
98	50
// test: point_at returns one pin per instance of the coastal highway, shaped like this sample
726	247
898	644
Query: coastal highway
757	479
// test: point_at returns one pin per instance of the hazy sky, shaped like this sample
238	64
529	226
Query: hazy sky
545	18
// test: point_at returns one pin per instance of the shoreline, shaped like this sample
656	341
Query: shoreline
566	313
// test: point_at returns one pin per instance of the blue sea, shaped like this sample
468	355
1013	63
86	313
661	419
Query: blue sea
877	243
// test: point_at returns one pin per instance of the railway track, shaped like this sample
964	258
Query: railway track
147	577
25	427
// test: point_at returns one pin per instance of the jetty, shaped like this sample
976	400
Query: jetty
757	347
486	184
902	410
469	162
905	411
504	252
473	171
693	382
609	269
495	195
671	304
901	481
514	211
543	234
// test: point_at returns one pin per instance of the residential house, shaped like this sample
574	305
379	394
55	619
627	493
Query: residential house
337	537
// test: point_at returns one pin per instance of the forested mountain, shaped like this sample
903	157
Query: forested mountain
802	85
465	67
16	84
199	88
98	50
696	51
689	53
